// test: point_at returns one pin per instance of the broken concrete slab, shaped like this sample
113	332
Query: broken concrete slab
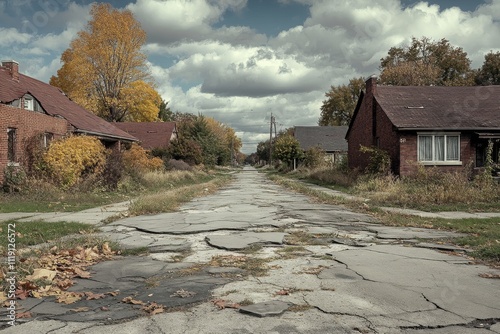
265	309
401	233
238	241
443	247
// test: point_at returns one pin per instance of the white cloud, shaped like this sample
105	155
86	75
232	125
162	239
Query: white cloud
177	20
238	76
11	36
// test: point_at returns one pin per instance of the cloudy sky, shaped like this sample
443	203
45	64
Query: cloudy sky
241	60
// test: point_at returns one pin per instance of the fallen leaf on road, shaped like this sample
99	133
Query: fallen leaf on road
23	315
130	300
153	308
41	273
81	273
283	292
113	293
488	275
222	304
80	309
94	296
69	297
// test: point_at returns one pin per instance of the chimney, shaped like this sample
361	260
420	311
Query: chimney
371	85
13	67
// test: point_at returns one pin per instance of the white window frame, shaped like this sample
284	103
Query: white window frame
446	162
29	102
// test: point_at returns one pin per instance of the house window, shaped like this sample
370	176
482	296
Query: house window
11	144
439	148
47	138
29	102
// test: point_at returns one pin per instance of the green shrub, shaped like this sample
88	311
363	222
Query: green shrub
314	157
14	178
379	161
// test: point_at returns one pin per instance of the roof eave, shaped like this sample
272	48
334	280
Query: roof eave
446	129
104	135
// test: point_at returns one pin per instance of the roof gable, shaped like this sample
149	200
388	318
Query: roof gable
328	138
55	103
150	134
440	107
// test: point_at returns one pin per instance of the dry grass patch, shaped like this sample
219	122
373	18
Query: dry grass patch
253	266
168	200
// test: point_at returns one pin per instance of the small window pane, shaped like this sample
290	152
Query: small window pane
452	147
439	148
425	148
11	145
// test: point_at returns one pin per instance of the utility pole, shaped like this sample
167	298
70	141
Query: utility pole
271	138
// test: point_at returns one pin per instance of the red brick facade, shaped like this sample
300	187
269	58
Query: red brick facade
371	126
27	124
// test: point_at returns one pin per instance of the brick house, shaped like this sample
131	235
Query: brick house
330	139
151	135
31	109
446	127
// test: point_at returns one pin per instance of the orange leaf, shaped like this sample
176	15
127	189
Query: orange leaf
94	296
130	300
23	315
81	273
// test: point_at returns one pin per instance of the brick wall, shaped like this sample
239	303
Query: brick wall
387	137
408	154
360	132
27	124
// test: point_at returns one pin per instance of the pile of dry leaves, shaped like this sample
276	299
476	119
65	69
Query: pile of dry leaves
53	272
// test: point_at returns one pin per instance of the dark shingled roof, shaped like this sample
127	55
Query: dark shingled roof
150	134
56	103
439	107
329	138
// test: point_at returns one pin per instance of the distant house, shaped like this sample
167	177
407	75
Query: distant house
30	109
446	127
150	134
330	139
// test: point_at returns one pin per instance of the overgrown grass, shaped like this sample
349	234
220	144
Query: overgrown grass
428	189
483	235
431	190
39	196
37	232
168	199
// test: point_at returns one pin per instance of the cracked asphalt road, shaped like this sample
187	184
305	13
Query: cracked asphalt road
316	268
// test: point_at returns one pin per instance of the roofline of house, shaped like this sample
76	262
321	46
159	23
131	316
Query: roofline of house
105	135
448	129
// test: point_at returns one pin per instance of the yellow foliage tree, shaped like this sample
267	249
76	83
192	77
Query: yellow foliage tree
104	69
142	102
71	158
136	160
225	135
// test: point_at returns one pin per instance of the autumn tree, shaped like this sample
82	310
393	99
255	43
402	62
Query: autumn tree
104	69
263	150
426	62
206	136
489	73
227	143
341	100
287	148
